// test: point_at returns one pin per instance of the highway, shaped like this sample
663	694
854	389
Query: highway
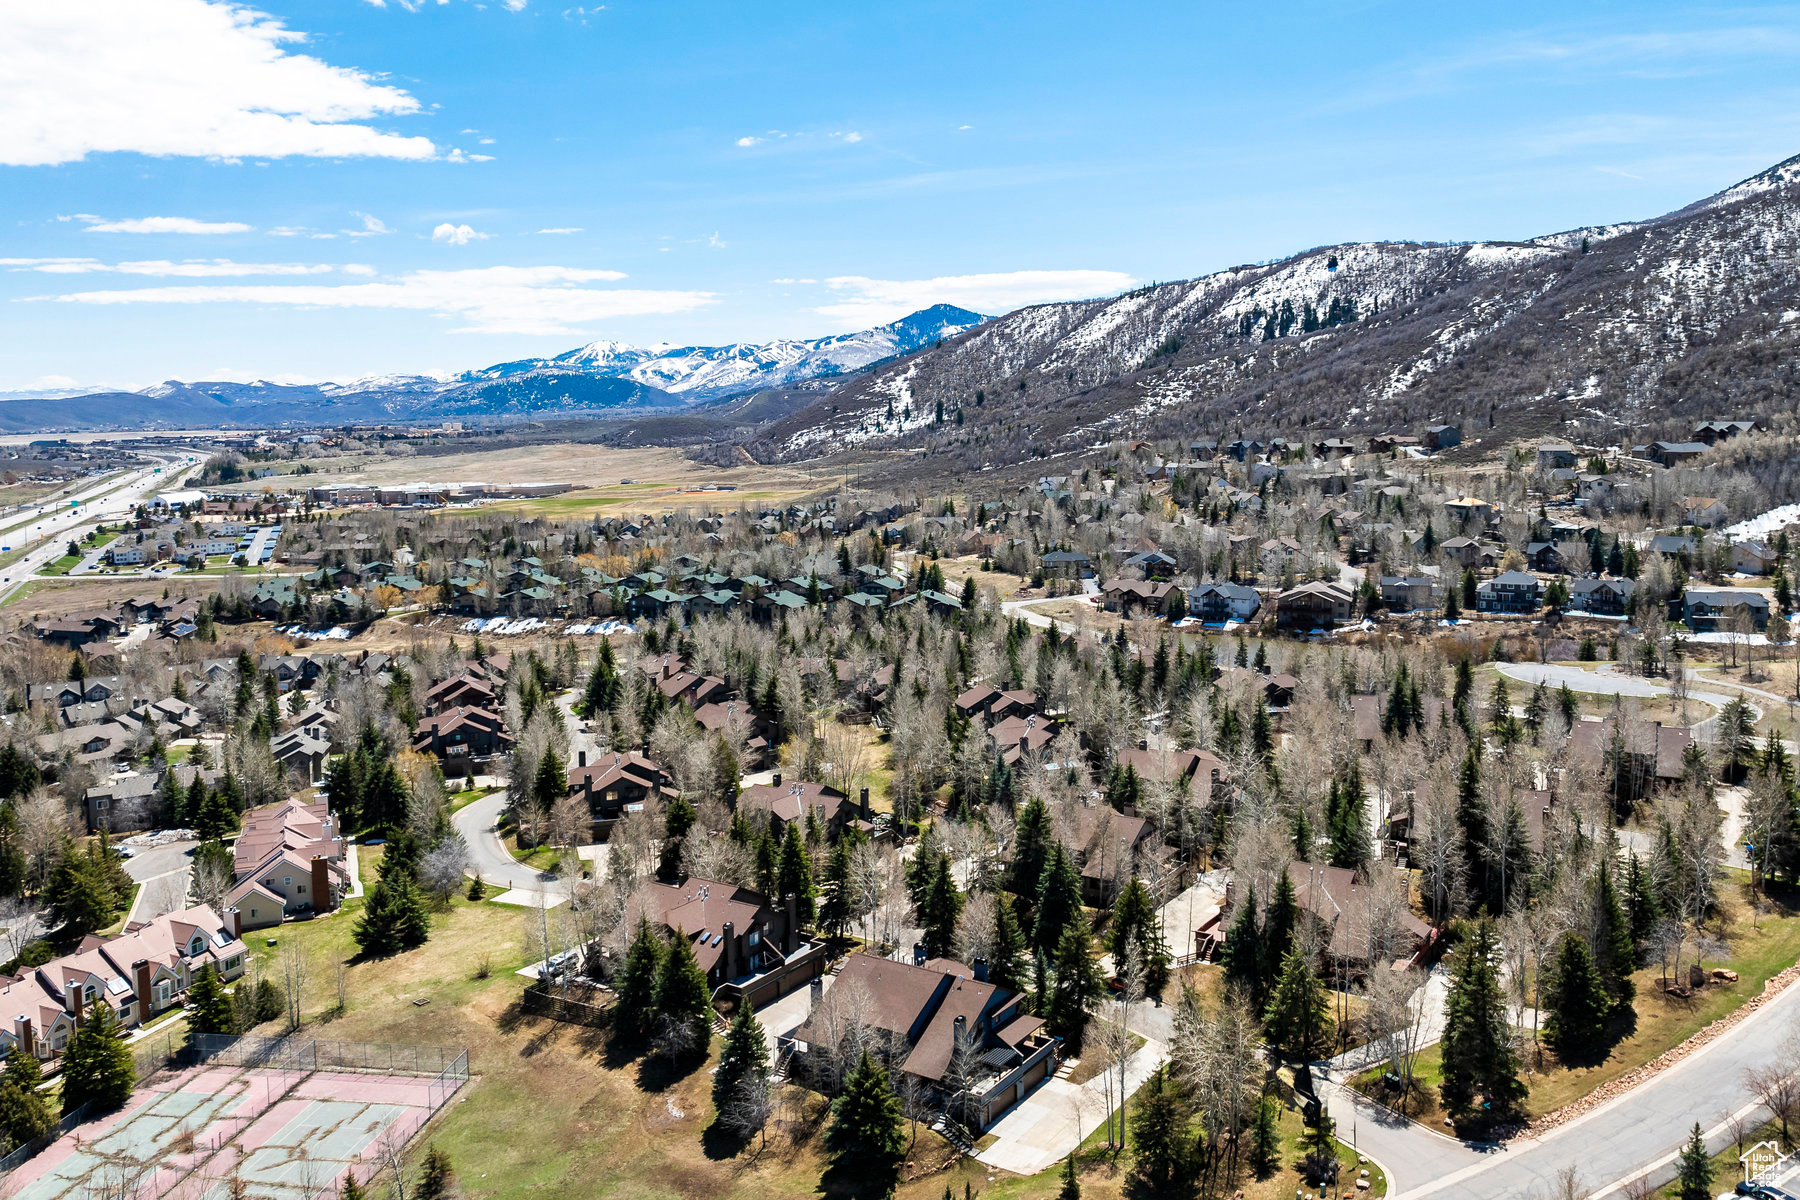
100	501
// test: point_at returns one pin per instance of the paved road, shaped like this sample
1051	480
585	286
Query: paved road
489	860
1634	1135
60	526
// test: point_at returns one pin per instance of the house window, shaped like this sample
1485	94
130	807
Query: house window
287	881
125	1011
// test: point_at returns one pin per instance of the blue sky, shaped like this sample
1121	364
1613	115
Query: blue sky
343	188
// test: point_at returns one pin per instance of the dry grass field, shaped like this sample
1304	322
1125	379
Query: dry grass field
662	479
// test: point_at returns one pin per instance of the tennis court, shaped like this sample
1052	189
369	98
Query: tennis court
286	1125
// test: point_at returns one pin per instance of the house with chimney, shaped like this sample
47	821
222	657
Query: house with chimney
750	948
792	801
139	974
287	862
964	1038
614	784
461	734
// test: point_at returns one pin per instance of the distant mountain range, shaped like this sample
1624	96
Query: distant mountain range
598	378
1607	331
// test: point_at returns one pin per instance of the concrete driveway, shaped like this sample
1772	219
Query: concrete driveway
163	871
1042	1129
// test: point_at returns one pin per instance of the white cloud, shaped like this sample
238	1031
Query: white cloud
200	78
852	136
715	241
363	269
864	301
792	281
371	226
192	268
164	225
749	141
562	229
457	156
519	300
960	128
457	235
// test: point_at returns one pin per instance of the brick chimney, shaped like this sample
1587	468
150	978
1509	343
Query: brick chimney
22	1034
792	942
777	780
321	884
234	920
918	954
980	967
80	999
140	972
731	951
863	803
581	758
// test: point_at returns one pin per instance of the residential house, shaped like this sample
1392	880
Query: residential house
1406	593
792	802
1217	603
462	733
1753	557
1722	608
966	1040
1705	511
1553	454
1317	605
615	784
1509	592
1601	597
749	947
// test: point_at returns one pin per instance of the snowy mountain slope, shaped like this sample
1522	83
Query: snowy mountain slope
1655	320
598	376
698	373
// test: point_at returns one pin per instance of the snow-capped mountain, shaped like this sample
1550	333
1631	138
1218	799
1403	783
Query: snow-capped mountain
1617	330
594	379
699	373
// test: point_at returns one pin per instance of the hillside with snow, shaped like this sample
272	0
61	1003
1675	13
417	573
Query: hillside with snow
601	378
1608	330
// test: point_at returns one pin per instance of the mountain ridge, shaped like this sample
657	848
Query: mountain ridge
1608	328
597	378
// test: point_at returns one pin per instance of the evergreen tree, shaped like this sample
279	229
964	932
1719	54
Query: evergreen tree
943	905
1242	956
794	873
1348	822
1006	964
80	896
744	1054
1265	1135
1032	839
216	816
1297	1019
13	864
1478	1061
1164	1150
393	917
1136	922
1693	1168
634	984
603	686
1641	906
1076	984
211	1009
24	1114
97	1067
1471	817
834	909
1071	1183
1615	951
1058	899
436	1179
865	1140
1279	926
682	997
1577	1002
